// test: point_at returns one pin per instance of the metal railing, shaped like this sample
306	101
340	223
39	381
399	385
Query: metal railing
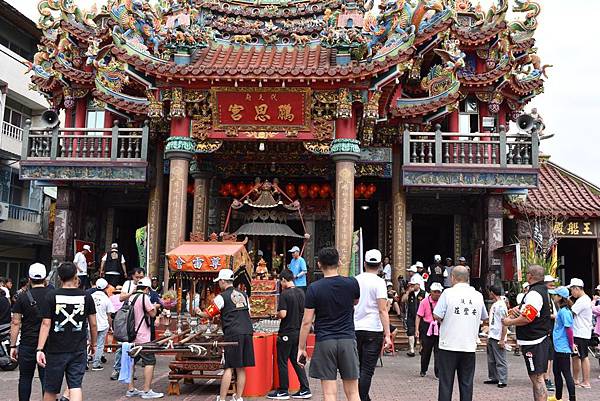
481	149
23	214
115	143
12	131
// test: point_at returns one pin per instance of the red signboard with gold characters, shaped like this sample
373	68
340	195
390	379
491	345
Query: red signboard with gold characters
268	109
203	257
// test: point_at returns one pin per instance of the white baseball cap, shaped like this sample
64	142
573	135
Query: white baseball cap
598	288
144	282
225	274
436	287
373	257
102	284
576	282
413	269
114	245
37	271
414	280
437	258
294	249
525	285
419	264
549	279
87	247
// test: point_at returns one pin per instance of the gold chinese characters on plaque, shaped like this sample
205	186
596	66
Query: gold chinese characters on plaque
575	228
264	109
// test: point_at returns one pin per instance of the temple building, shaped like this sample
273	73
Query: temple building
393	119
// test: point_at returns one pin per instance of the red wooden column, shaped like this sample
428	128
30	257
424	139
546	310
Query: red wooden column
345	151
80	117
453	126
179	149
484	111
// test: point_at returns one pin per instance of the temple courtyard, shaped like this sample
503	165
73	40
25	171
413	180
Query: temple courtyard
398	379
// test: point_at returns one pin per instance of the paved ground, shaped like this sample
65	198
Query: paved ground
397	380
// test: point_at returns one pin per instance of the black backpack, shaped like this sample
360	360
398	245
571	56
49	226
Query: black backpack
124	329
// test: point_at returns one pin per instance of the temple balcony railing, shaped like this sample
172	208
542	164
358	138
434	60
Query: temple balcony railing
486	160
11	138
22	220
85	154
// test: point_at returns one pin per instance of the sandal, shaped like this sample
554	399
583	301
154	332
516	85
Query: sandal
587	386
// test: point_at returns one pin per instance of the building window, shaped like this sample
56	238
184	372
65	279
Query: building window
95	119
468	121
14	117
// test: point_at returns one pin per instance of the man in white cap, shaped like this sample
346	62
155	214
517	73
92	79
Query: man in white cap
112	266
27	320
233	307
371	321
298	267
104	309
582	331
82	265
412	299
427	330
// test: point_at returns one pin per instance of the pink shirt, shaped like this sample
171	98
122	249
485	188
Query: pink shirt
425	311
116	302
143	335
596	311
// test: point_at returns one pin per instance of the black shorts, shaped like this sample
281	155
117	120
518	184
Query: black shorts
240	356
331	356
70	365
146	358
582	347
410	330
536	357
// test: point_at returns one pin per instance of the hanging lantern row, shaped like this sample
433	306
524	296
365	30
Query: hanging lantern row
364	191
302	191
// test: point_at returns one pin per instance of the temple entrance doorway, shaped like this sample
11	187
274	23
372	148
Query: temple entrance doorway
366	215
432	235
577	259
127	221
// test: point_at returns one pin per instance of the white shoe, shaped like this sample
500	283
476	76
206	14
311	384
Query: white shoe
147	395
133	393
234	397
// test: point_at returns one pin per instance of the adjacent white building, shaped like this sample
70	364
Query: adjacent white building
24	207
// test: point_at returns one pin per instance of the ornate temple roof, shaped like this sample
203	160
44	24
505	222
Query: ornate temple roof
561	194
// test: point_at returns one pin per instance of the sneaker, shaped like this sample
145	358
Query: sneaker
422	374
549	385
103	359
502	385
147	395
97	367
302	394
553	398
490	382
114	375
410	354
234	397
133	393
278	395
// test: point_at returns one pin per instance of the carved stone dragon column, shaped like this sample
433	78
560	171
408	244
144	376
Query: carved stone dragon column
201	176
399	216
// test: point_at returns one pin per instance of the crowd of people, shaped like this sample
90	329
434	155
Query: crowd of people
62	331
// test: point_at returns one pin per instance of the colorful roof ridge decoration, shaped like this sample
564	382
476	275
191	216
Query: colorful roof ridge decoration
561	194
417	56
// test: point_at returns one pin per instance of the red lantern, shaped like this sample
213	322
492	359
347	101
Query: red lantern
292	194
303	190
315	188
372	188
289	189
229	188
357	193
362	188
242	188
323	193
327	188
313	194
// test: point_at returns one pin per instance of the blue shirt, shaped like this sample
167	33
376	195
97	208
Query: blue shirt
332	298
564	319
297	266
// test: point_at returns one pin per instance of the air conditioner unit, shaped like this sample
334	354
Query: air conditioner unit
3	211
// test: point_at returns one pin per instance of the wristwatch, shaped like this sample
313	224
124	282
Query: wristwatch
39	350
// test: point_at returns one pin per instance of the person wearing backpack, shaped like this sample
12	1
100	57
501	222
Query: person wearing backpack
141	310
27	319
62	343
127	290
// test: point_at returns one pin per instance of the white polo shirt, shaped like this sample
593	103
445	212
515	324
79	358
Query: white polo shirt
81	263
582	321
461	309
366	312
498	312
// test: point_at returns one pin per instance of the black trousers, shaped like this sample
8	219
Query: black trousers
561	367
369	344
461	364
27	365
288	350
430	344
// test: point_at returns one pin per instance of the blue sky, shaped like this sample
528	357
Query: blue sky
566	38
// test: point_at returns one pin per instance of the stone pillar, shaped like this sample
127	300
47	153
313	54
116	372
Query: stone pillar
399	216
110	227
155	208
345	153
494	233
309	250
201	176
62	240
179	149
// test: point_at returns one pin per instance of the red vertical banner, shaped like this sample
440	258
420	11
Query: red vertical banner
262	108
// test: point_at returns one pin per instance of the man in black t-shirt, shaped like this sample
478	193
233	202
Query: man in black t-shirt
331	302
62	342
290	310
27	319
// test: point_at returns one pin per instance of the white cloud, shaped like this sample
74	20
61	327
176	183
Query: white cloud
566	38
